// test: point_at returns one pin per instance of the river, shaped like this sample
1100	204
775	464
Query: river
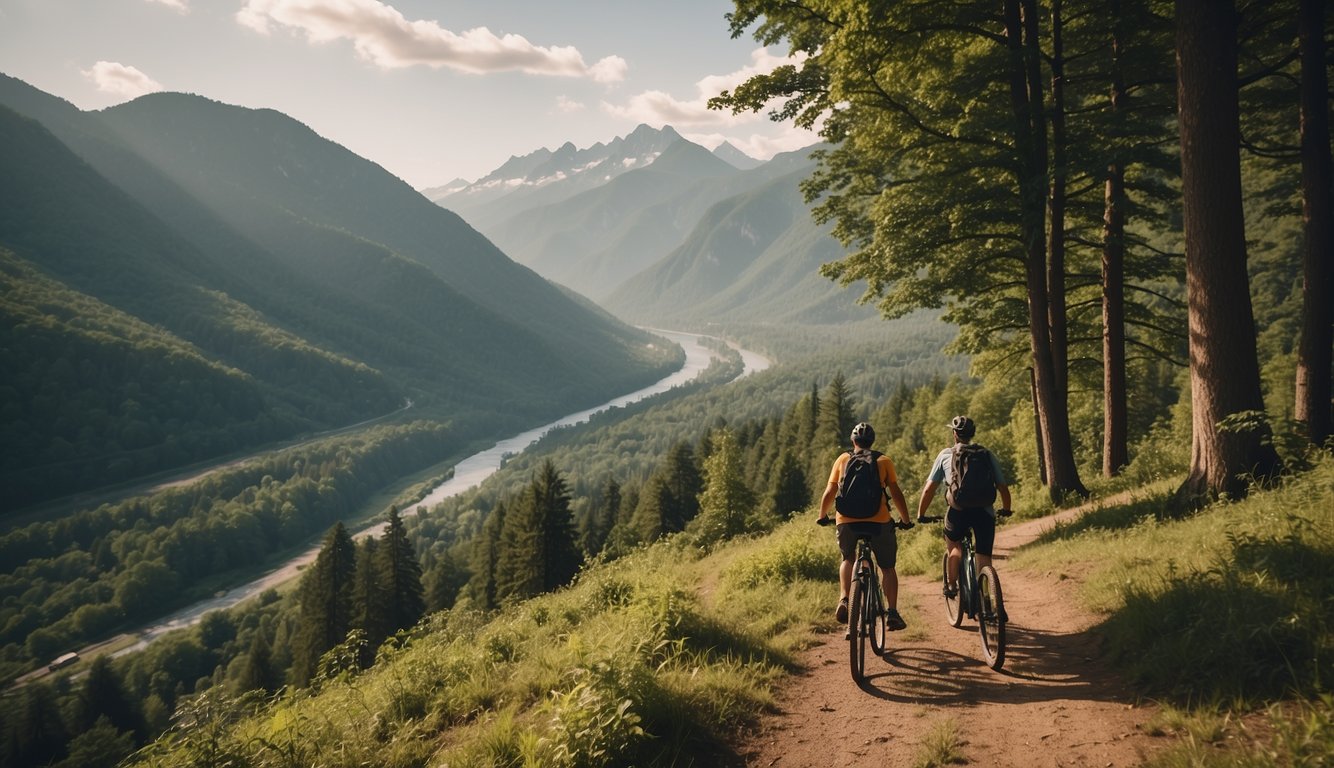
468	473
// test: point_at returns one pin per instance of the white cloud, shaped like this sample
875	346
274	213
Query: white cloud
658	107
179	5
566	105
382	36
121	79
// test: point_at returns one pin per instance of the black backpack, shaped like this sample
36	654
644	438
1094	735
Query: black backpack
972	481
859	491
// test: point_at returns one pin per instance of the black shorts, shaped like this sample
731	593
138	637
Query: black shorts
884	544
982	523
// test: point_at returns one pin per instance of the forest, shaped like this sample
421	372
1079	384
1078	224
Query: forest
1132	259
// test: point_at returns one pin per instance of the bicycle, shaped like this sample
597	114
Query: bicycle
978	596
866	607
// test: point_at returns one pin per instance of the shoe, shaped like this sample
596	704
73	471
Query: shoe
950	590
841	615
893	621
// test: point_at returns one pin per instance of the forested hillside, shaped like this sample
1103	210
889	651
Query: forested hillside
330	290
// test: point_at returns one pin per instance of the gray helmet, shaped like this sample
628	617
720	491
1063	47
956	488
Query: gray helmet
963	427
863	435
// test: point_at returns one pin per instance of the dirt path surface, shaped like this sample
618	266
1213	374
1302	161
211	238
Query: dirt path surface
1053	704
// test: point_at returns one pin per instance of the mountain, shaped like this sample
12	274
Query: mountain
567	241
754	257
735	157
185	278
545	176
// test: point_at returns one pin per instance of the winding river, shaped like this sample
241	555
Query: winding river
468	473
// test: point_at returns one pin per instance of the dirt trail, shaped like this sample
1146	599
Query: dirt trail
1053	704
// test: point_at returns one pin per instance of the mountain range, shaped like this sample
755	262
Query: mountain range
663	232
184	278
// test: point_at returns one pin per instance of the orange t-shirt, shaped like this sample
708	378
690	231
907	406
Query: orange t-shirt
887	476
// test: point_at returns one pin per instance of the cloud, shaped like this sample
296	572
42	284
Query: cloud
121	79
179	5
659	107
566	105
382	36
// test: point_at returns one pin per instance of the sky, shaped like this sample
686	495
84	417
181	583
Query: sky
432	90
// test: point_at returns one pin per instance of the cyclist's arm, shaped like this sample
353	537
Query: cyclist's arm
900	503
827	500
928	493
1004	491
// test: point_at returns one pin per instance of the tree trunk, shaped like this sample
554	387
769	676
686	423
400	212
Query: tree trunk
1056	311
1031	151
1317	334
1115	437
1224	371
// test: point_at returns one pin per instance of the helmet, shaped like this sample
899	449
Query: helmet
863	435
963	427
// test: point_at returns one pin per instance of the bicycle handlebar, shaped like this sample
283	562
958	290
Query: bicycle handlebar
897	523
938	518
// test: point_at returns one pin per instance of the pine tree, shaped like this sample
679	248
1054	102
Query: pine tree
370	599
103	695
726	503
326	603
486	550
790	494
400	575
539	553
258	672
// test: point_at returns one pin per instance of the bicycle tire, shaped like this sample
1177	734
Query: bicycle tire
856	633
875	608
953	605
990	624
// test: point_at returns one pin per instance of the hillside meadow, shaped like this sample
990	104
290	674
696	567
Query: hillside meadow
664	656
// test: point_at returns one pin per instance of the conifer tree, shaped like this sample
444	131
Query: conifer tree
400	576
537	542
726	503
326	603
258	672
789	494
485	557
103	695
444	580
370	600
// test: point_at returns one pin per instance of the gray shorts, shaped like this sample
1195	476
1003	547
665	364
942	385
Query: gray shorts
884	544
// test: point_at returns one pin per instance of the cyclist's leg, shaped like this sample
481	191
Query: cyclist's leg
955	530
885	547
847	547
984	532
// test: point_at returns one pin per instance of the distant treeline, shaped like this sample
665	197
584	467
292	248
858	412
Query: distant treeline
69	581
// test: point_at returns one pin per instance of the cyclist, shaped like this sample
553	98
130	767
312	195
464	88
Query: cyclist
982	520
884	543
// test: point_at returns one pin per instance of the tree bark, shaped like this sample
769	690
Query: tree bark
1056	310
1115	432
1030	137
1317	334
1224	370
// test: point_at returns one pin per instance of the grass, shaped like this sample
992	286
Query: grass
665	656
941	747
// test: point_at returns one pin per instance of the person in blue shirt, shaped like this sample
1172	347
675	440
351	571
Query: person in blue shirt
981	520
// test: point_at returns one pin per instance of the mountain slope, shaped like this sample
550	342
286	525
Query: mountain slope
253	243
754	257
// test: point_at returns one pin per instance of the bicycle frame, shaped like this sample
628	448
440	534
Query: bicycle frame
866	616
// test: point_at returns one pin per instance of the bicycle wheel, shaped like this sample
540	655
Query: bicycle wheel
857	632
990	621
875	608
953	605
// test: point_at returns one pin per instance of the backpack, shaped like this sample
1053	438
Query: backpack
972	482
860	490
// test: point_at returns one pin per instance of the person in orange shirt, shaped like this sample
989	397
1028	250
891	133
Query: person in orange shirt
876	525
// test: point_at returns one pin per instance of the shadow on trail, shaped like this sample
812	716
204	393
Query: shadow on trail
1039	666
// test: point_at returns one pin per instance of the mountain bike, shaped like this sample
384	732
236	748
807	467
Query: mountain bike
866	608
978	597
